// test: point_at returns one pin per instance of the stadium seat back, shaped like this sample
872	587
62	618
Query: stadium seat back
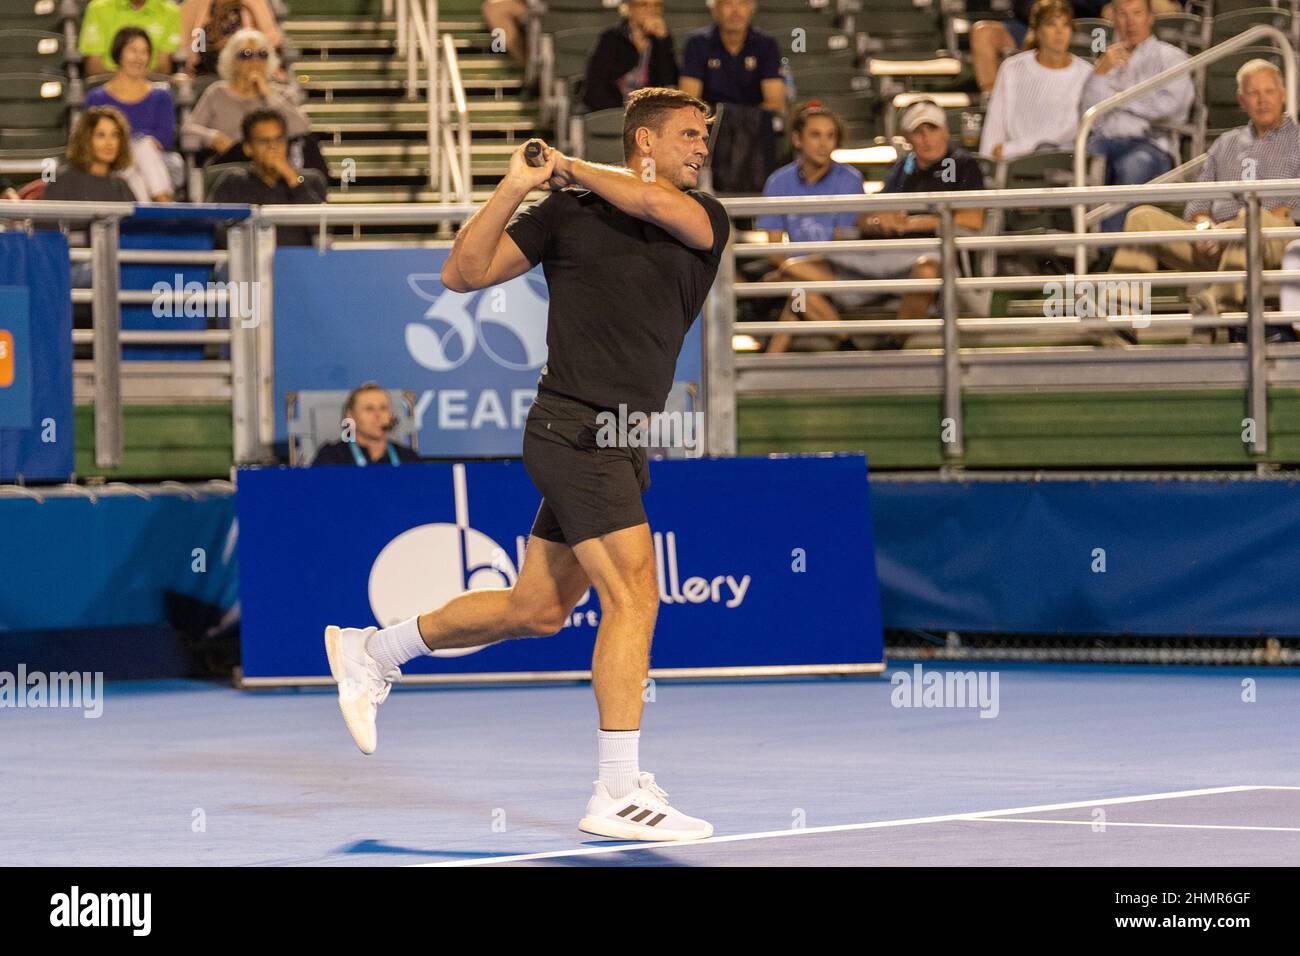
602	136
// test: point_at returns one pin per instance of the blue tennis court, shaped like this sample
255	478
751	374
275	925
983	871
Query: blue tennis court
1081	766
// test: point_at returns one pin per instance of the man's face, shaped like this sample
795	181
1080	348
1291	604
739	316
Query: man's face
641	12
1054	35
817	141
372	412
733	15
929	143
106	141
1133	20
1262	97
267	146
678	148
135	58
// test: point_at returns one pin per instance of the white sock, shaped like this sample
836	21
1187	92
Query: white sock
394	646
619	767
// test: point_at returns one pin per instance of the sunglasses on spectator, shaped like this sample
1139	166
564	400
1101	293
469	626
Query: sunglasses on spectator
250	54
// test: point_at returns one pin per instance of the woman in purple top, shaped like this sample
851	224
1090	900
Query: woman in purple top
151	111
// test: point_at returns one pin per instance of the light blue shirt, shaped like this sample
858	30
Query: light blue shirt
1133	120
804	227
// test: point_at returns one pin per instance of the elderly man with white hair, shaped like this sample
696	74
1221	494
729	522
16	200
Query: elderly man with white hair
246	65
1267	147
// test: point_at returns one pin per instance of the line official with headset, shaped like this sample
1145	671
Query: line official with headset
371	412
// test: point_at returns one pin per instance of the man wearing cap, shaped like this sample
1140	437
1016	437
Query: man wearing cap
932	165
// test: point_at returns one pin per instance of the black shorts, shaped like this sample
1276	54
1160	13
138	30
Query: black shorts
587	490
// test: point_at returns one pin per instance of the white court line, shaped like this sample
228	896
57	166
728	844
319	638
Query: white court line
1102	825
845	827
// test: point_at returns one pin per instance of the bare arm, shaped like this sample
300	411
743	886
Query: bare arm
691	86
666	206
774	95
483	254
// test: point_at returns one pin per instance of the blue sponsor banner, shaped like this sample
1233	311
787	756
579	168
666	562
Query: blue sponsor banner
753	570
1158	558
473	359
37	435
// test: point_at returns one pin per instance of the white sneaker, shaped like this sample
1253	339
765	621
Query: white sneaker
363	685
644	814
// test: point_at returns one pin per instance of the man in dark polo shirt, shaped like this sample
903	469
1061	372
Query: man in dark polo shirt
270	178
629	255
732	62
367	419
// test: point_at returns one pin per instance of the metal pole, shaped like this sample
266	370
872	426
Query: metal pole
243	346
1255	328
951	426
719	365
265	255
434	77
106	314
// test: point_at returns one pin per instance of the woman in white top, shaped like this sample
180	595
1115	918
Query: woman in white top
1035	100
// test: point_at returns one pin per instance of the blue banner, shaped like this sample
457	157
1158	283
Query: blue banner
73	562
753	570
1195	558
473	359
37	435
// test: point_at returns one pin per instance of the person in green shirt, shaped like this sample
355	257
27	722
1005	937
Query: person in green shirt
161	19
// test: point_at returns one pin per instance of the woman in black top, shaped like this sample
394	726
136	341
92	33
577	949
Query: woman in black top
100	148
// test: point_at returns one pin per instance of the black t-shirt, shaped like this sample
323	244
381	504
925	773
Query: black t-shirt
963	172
340	453
623	292
71	184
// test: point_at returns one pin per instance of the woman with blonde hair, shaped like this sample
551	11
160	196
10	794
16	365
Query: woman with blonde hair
98	151
245	66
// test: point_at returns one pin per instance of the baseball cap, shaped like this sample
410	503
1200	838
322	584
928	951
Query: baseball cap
923	111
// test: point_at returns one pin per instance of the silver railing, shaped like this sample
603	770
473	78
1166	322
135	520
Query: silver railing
951	369
417	32
444	90
1090	116
106	378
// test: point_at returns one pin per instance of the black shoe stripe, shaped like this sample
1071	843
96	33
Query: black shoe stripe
656	820
641	816
630	808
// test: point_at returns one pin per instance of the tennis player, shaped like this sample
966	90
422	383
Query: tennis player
629	253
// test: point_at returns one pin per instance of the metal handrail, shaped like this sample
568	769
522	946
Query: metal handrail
461	174
421	46
1217	52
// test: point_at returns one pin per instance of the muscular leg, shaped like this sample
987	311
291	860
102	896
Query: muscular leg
621	566
550	583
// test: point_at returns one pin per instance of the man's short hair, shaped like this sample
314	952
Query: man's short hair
650	106
81	152
1149	4
1254	66
125	36
261	116
815	108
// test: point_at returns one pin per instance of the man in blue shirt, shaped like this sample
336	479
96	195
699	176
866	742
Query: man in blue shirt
932	165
